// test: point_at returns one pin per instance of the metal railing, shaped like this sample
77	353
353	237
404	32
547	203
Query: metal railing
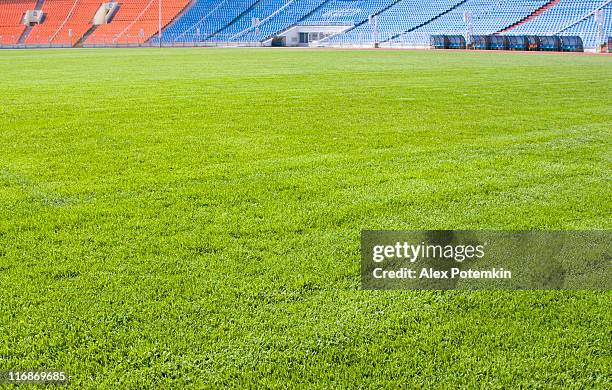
410	40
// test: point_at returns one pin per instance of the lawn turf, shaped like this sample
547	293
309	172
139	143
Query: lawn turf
191	217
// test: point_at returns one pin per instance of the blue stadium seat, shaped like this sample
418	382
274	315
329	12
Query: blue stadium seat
397	21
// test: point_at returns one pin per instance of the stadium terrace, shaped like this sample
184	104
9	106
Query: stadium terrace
547	25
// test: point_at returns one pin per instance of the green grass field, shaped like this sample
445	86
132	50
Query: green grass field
191	217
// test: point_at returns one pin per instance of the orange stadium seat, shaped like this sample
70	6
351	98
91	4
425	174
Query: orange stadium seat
136	21
61	16
11	14
79	22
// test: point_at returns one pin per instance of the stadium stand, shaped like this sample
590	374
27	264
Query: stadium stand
65	22
346	12
135	22
204	19
488	17
533	15
331	22
271	20
588	26
11	14
261	10
403	16
561	15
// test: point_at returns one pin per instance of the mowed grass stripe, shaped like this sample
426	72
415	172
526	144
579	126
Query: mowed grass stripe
191	217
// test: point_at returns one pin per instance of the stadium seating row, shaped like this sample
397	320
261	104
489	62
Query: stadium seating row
69	22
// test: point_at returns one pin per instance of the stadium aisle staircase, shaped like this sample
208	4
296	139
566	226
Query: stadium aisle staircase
223	35
27	30
357	16
11	14
262	11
